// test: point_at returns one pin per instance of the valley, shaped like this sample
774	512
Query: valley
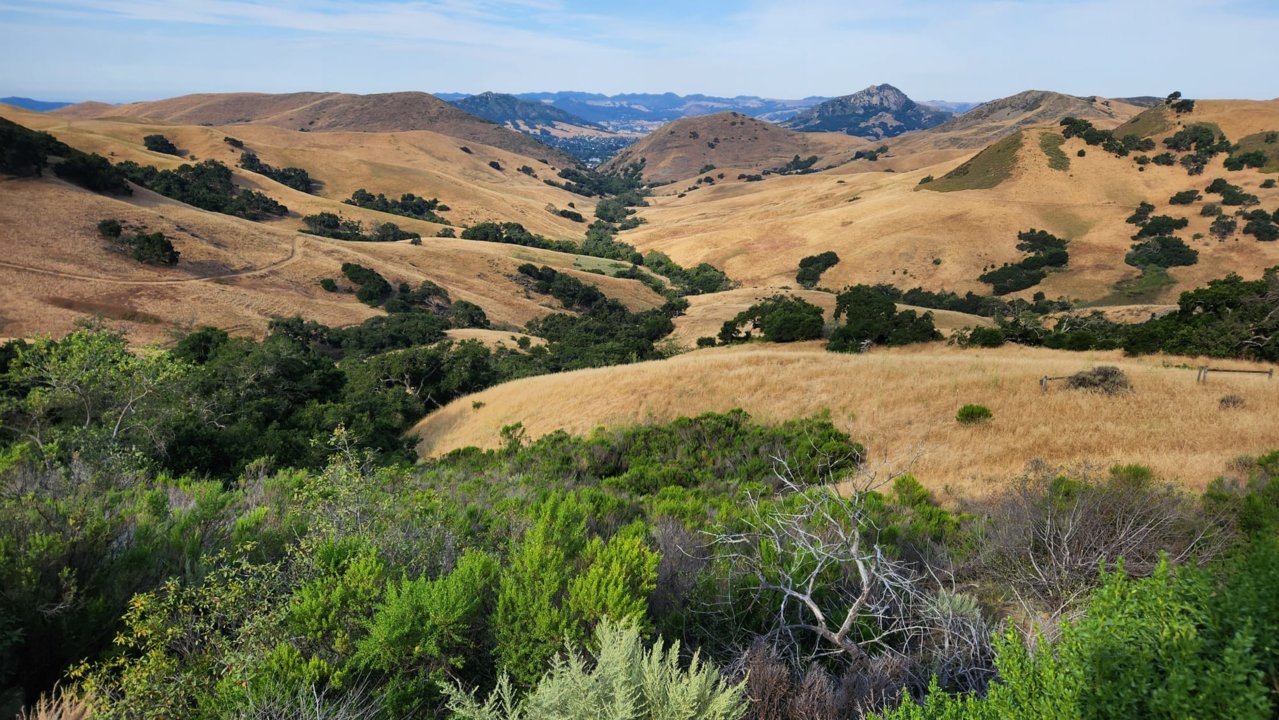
396	405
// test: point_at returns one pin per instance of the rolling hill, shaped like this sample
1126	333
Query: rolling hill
990	121
586	141
887	228
325	112
901	403
238	274
521	115
35	105
879	111
730	142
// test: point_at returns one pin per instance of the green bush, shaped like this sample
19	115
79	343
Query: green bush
160	144
870	317
779	319
973	414
623	680
1164	252
1185	197
409	205
812	267
110	229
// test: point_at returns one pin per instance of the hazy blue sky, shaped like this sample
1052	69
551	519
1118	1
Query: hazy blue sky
117	50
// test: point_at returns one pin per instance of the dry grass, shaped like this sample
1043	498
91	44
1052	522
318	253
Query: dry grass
733	143
323	112
237	274
59	706
902	404
886	232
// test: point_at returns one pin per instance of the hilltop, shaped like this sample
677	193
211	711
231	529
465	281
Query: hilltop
730	143
879	111
36	105
990	121
325	112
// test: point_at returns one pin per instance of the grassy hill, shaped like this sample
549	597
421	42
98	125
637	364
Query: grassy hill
238	274
729	142
888	228
325	112
902	403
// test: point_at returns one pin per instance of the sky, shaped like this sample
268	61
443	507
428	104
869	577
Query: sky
959	50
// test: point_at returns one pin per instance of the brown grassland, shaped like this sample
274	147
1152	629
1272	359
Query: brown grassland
901	404
237	274
887	231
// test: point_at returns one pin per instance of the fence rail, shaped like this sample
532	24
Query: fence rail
1202	377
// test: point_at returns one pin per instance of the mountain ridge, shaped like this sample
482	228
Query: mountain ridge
877	112
326	112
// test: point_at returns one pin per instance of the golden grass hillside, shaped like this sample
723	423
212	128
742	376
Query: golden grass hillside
733	144
237	274
323	112
886	229
901	403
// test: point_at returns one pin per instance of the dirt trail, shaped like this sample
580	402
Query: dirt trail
293	256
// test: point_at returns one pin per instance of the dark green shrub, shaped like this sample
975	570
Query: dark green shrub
986	337
779	319
1141	214
110	229
409	205
1162	251
329	284
293	177
93	172
1185	197
812	267
1160	225
871	318
152	249
973	414
160	144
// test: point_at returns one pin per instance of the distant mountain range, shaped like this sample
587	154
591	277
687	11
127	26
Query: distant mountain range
510	110
879	111
645	112
36	105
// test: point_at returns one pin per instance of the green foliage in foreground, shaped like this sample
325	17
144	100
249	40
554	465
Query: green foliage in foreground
1187	644
624	681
